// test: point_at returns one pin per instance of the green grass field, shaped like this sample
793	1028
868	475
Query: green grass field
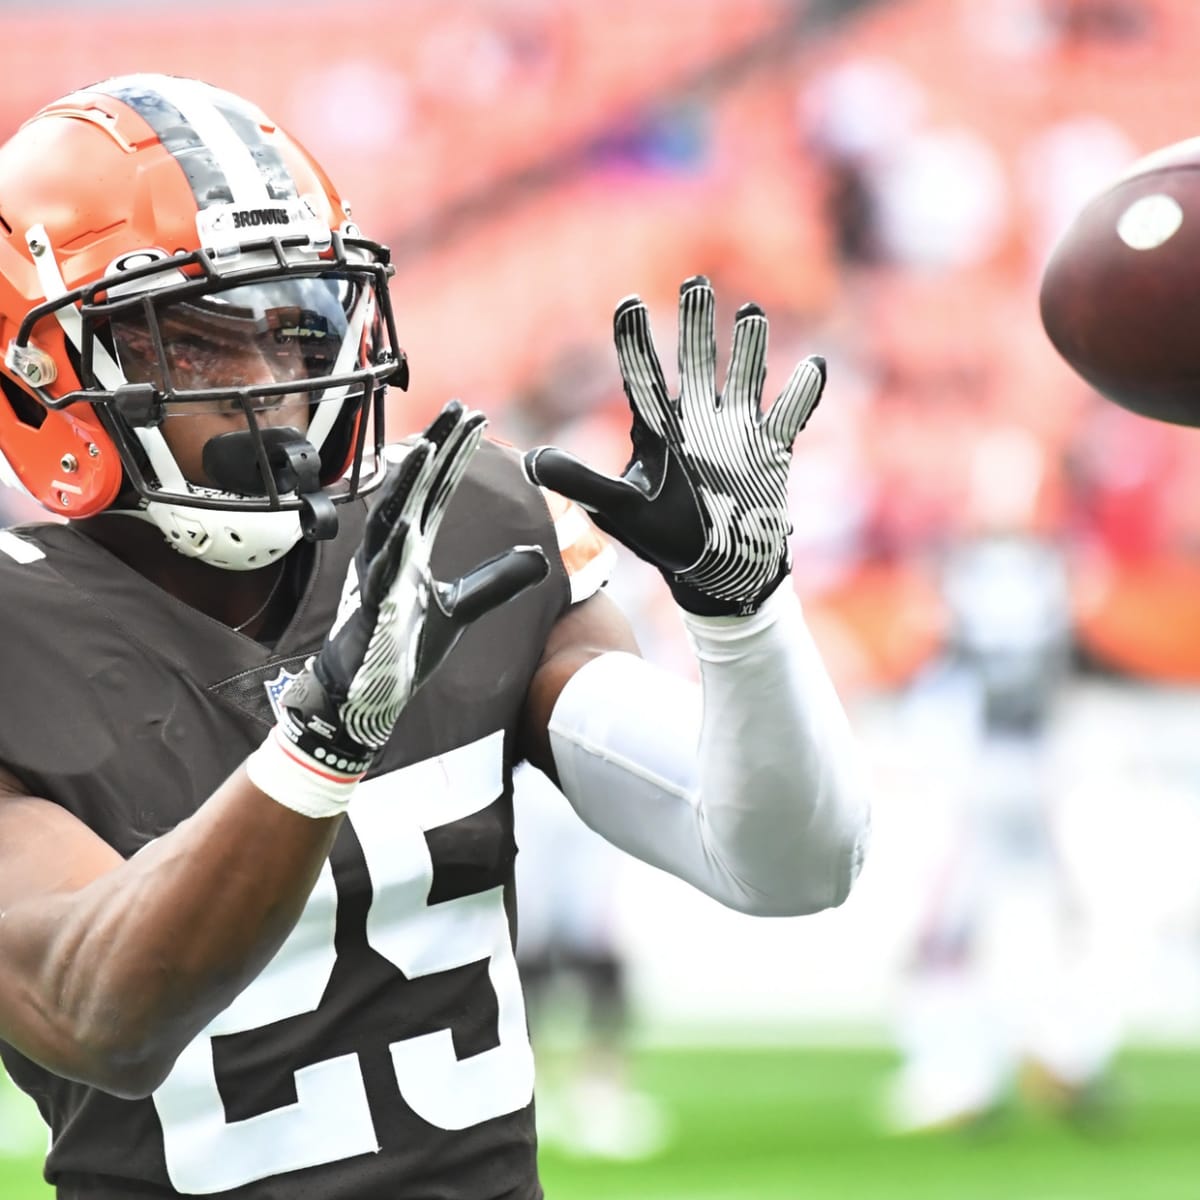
799	1124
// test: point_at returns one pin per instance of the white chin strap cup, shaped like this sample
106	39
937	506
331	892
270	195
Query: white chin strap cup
234	541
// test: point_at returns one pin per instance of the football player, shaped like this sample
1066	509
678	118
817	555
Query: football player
264	687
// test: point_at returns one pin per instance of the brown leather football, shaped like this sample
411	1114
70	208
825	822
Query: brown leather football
1120	294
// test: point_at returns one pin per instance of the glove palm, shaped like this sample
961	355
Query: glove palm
704	495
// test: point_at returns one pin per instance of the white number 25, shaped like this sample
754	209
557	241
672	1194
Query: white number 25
330	1119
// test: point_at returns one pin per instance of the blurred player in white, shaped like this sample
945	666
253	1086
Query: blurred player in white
998	992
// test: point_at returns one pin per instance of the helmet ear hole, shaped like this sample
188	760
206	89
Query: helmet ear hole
26	408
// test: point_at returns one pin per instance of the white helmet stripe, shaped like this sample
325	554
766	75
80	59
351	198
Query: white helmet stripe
193	101
215	137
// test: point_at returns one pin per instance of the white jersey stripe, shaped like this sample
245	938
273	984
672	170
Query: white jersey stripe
18	549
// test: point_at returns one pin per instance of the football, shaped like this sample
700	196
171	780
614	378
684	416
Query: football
1120	293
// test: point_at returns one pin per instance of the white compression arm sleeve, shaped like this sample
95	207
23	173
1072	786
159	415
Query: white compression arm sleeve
747	787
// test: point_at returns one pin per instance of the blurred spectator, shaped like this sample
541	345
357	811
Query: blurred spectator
902	190
1078	22
851	118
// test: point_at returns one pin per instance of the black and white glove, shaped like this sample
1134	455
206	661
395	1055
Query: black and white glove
704	496
394	625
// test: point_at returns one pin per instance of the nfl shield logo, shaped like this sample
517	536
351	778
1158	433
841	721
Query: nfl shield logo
276	687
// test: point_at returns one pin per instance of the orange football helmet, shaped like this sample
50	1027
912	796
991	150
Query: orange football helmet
167	251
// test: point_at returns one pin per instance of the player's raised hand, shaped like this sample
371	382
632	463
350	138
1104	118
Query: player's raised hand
704	495
396	623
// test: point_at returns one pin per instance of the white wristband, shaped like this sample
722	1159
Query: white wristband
297	782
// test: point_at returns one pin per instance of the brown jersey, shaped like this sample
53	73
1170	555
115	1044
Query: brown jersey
383	1052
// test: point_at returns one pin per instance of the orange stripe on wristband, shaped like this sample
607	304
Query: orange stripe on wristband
303	760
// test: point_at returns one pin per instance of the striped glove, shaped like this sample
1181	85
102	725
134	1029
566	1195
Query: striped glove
704	496
394	625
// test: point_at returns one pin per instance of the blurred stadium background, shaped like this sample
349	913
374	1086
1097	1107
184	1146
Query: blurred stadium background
885	178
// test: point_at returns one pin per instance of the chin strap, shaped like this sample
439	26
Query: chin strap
243	541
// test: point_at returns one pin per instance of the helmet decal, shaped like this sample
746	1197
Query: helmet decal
216	138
